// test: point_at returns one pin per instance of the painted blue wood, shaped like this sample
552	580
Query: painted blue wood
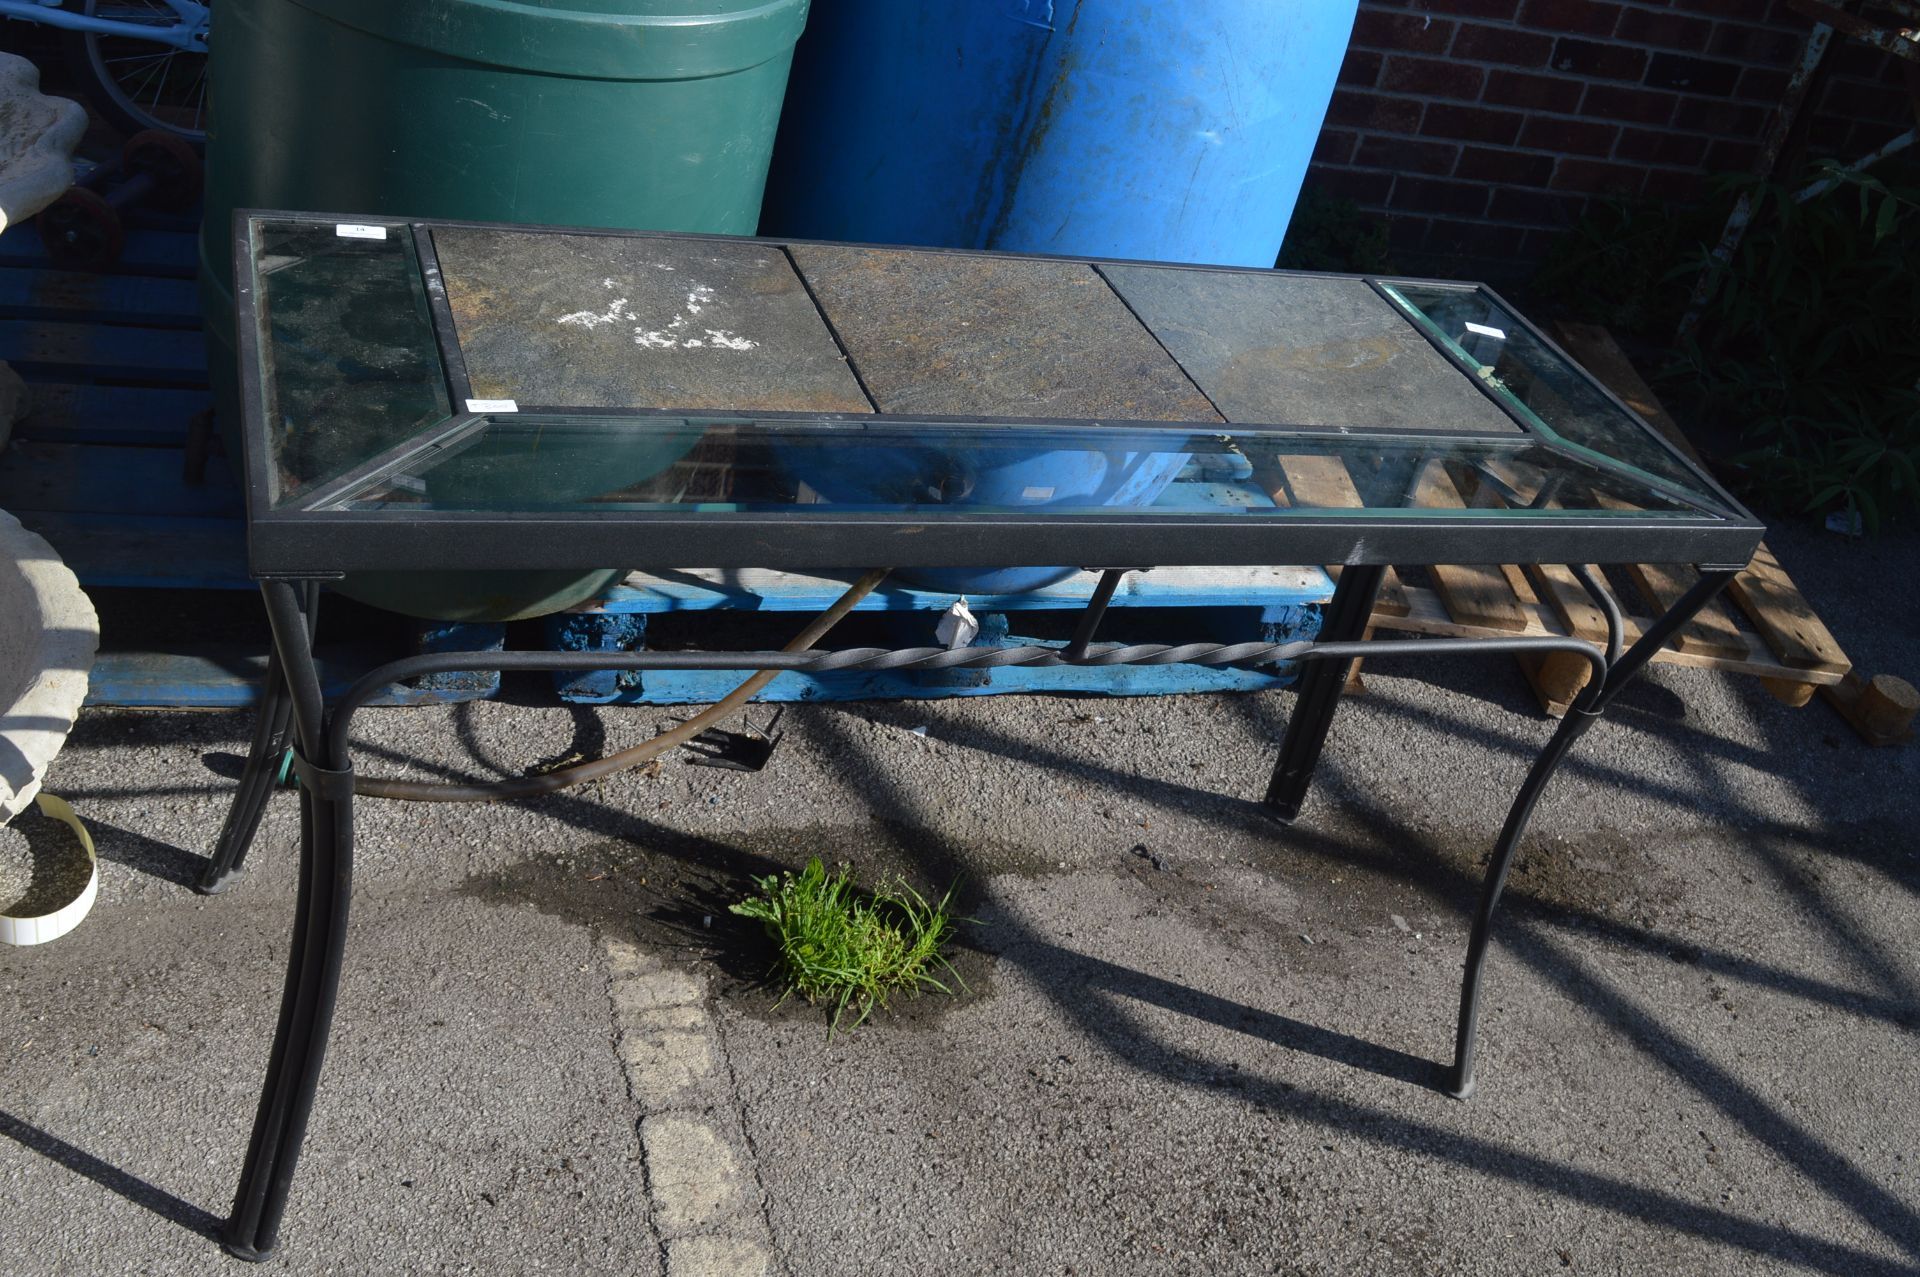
227	676
577	632
146	252
786	592
149	300
458	636
89	479
44	350
144	415
1275	623
659	687
143	551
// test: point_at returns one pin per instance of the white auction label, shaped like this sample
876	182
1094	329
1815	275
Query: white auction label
1485	331
358	230
492	405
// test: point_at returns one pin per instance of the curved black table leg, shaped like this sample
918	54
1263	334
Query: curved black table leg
272	734
272	731
1586	711
319	942
1321	683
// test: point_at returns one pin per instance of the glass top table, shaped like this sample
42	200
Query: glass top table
440	396
520	397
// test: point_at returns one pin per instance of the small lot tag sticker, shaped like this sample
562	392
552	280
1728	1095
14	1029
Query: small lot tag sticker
357	230
492	405
1485	331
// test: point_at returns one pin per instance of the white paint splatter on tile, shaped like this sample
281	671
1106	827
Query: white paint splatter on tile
721	337
591	320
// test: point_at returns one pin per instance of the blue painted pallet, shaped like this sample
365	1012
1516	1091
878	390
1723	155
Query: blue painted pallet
135	551
65	351
117	370
143	416
151	301
147	251
1175	604
227	676
88	478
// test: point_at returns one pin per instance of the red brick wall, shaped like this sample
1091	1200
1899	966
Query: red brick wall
1481	128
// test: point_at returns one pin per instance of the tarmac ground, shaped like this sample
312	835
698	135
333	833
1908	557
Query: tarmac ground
1192	1040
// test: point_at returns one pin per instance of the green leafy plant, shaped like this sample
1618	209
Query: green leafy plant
1809	345
1617	265
855	948
1331	234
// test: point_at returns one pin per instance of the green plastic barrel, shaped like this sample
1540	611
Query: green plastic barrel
643	114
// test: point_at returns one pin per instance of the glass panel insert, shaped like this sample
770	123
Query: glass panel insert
537	461
1551	392
350	366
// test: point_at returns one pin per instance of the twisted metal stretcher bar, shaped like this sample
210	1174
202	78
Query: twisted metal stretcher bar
323	761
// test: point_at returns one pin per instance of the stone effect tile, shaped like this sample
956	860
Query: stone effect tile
1289	350
613	321
946	334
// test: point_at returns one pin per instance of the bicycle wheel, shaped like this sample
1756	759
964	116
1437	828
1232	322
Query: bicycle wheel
139	84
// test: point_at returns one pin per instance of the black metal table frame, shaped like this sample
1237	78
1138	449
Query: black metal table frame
291	549
309	534
293	714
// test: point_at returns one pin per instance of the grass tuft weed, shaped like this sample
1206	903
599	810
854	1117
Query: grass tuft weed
854	948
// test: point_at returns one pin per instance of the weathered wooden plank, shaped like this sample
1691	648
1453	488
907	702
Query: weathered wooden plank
1551	583
765	590
1784	618
89	479
44	349
1429	616
1475	594
146	252
1556	677
1596	351
1324	483
68	413
1764	591
141	551
227	676
1712	632
1560	590
145	300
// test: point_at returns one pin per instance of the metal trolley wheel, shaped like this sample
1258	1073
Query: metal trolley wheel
83	230
138	84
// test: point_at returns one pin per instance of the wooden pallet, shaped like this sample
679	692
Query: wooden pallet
1771	632
116	366
118	371
1271	605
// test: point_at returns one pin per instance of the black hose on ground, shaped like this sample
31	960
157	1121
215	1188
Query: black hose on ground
421	791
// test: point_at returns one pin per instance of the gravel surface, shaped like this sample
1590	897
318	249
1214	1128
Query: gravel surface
1193	1041
42	865
16	866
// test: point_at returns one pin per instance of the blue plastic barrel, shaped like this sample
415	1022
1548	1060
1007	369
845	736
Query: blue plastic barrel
1102	128
1099	128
